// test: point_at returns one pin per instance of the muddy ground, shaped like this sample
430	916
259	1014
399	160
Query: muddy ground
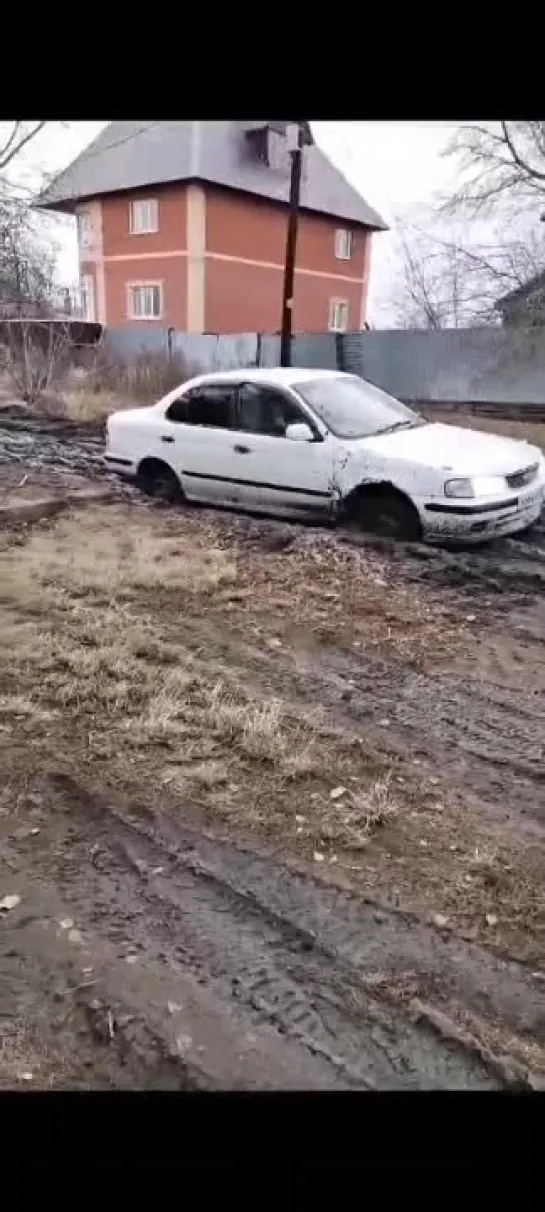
273	799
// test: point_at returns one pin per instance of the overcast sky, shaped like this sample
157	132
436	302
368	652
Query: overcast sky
396	166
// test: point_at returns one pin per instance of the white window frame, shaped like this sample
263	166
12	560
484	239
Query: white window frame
343	244
338	315
85	228
143	216
131	287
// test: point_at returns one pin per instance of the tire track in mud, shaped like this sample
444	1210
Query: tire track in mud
284	949
484	733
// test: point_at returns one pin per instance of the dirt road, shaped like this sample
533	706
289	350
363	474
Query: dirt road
273	802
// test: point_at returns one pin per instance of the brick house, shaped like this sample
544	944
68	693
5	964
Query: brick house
183	224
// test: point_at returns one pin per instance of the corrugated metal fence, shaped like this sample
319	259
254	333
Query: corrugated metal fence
487	365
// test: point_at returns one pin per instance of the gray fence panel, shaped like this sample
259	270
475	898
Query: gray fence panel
210	353
486	365
129	343
318	351
269	352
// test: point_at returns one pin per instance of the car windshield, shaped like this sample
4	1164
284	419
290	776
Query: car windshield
352	408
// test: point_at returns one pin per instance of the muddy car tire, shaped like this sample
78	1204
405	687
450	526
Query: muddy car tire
388	515
157	480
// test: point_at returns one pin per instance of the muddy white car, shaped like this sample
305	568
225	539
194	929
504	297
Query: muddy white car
320	443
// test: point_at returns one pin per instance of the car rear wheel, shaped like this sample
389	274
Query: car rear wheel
388	515
159	481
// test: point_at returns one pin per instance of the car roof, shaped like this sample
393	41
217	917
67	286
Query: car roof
283	375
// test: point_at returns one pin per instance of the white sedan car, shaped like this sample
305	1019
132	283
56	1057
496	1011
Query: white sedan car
321	443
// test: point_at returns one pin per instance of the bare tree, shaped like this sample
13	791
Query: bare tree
430	285
35	354
501	166
26	265
448	283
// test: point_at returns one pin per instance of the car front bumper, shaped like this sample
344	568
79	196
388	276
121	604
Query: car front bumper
474	521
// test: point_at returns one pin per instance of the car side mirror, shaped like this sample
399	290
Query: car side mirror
300	432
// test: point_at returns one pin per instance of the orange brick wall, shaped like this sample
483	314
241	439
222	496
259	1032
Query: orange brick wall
248	298
171	271
244	227
242	297
312	296
256	230
117	238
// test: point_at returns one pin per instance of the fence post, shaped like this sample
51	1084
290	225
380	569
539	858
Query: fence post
339	351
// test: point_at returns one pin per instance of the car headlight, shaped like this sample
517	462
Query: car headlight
477	486
459	488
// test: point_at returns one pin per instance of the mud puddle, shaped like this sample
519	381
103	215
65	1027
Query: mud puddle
369	993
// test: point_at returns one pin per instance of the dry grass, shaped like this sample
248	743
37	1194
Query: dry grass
146	377
102	555
85	406
72	644
361	813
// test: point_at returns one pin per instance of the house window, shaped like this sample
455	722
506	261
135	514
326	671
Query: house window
85	231
145	301
143	216
343	244
338	315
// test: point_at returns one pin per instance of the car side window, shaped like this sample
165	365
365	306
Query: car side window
177	411
263	410
212	407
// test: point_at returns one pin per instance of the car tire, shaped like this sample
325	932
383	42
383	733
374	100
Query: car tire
157	480
389	515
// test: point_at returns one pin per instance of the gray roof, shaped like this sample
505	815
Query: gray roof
129	155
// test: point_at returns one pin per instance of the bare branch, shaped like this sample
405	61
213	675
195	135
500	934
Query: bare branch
448	284
519	159
16	140
36	352
503	164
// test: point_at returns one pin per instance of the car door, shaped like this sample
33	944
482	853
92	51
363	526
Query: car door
197	440
275	473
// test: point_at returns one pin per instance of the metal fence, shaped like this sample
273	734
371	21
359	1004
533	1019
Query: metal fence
494	366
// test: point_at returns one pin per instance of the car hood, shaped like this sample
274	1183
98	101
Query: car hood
464	452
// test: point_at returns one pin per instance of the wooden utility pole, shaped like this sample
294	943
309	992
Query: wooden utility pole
303	137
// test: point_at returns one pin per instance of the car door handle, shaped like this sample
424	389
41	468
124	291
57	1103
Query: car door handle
242	449
164	438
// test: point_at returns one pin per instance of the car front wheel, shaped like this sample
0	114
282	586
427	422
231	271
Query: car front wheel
159	481
388	515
